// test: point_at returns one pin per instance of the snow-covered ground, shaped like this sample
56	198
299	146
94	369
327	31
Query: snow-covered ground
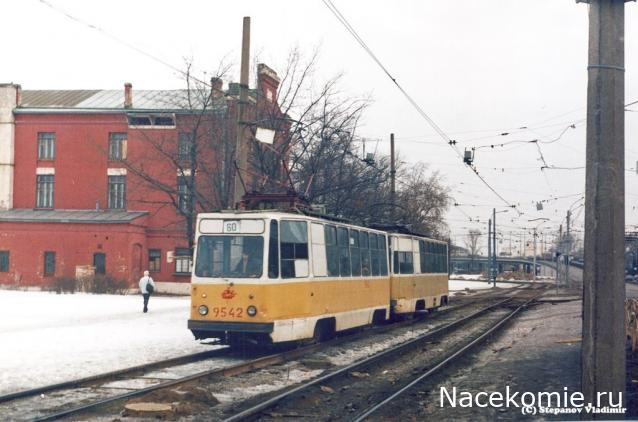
47	338
474	277
456	285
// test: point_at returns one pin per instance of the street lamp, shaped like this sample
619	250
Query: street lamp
542	220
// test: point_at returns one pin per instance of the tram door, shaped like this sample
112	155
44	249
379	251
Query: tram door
99	262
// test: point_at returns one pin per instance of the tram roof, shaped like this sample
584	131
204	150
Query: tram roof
387	229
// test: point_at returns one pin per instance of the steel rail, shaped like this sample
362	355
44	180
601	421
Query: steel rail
459	352
250	365
252	411
194	357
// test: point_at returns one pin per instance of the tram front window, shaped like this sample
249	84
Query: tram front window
229	256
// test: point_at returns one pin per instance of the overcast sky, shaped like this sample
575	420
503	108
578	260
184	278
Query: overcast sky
477	68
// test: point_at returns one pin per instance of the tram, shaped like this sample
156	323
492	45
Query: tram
275	276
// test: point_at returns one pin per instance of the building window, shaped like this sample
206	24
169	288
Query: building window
183	261
154	259
4	261
44	191
49	263
46	145
183	194
156	120
117	146
117	192
185	146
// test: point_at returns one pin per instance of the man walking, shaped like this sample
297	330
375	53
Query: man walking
147	286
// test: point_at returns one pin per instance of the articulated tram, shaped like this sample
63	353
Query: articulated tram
272	277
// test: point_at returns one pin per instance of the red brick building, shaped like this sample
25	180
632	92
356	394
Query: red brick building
100	178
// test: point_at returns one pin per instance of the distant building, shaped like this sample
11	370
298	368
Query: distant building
96	178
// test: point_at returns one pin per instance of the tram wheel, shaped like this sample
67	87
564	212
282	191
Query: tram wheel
324	330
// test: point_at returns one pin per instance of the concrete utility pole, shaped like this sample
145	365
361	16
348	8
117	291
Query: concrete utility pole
494	266
241	156
392	177
603	347
489	250
560	254
535	236
568	251
534	267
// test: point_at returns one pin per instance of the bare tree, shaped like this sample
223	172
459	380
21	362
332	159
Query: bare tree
424	199
317	153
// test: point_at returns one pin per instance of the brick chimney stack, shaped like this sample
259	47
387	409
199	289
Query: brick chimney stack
267	82
216	87
128	95
18	95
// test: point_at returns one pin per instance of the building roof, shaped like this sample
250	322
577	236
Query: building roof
167	100
70	216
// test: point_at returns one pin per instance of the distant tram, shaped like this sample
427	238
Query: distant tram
273	276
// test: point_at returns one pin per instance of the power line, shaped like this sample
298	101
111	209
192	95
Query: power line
414	104
119	40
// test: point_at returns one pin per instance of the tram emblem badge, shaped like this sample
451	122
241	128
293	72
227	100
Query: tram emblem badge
228	293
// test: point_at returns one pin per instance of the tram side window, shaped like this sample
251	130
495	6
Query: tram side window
443	258
332	250
343	241
294	248
422	256
430	258
446	264
374	254
383	257
403	263
364	249
354	252
273	250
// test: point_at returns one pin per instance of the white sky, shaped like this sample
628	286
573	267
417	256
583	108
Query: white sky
478	68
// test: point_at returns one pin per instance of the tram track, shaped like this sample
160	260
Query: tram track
295	401
228	369
180	360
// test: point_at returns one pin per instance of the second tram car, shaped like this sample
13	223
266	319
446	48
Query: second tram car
273	276
419	277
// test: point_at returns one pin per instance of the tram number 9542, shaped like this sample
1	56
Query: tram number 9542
225	311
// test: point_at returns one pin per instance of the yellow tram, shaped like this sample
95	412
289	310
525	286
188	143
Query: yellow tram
419	274
271	276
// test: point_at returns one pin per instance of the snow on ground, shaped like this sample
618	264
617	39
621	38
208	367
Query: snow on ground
456	285
293	376
47	338
468	277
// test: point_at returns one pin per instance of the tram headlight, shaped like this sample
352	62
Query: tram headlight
203	310
251	310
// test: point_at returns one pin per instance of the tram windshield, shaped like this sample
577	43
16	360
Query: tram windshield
229	256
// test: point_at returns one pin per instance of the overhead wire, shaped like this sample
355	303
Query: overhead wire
121	41
335	11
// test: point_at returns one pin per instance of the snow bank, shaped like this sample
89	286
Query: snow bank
47	338
456	285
